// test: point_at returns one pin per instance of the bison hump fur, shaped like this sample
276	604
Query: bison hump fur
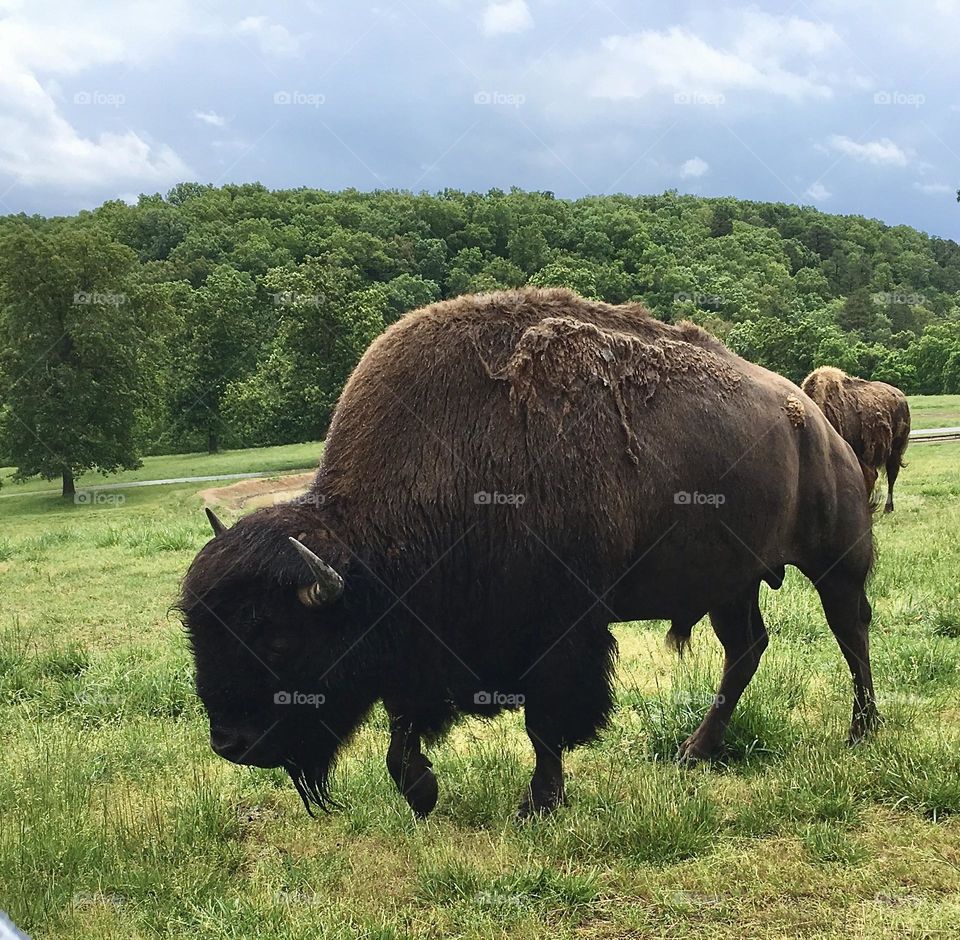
562	365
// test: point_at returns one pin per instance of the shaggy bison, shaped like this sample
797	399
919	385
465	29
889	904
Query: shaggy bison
872	417
506	475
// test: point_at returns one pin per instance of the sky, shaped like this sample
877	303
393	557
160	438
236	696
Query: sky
851	107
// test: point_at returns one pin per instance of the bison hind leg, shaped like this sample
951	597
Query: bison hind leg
848	614
893	470
741	631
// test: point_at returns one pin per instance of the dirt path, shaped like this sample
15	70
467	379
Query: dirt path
252	494
259	475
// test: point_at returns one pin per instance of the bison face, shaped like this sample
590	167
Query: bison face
275	659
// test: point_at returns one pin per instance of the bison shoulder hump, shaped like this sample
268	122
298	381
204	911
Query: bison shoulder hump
560	358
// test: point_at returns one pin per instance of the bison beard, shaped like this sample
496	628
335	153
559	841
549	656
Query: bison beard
312	787
505	476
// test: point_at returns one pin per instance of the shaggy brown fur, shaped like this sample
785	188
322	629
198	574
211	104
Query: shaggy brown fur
506	475
872	417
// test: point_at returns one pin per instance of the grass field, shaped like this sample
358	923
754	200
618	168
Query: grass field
116	819
935	411
280	459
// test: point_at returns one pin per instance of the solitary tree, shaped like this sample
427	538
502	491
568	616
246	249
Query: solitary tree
70	359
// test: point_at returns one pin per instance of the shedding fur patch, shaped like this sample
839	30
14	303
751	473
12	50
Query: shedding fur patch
795	411
559	359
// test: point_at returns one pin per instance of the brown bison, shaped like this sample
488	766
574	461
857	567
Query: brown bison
506	475
872	417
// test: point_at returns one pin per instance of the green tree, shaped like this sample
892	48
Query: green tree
218	345
576	274
72	358
327	319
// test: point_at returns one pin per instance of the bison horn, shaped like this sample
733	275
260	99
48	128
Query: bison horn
328	586
218	527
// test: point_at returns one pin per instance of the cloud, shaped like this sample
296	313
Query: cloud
272	38
211	118
38	144
818	192
883	152
510	16
935	189
763	53
694	167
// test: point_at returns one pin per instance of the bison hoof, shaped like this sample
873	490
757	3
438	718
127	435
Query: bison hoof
862	728
421	792
694	751
888	507
540	803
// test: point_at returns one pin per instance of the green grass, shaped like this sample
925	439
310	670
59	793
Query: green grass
935	411
280	459
116	820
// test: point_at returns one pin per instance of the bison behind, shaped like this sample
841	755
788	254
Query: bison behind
872	417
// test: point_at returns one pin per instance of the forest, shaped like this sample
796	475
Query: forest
224	317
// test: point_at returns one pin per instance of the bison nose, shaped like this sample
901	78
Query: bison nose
229	744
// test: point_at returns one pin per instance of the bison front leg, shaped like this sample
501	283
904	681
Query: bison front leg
546	791
409	766
568	700
741	631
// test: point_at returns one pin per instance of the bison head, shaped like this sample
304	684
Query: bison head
275	647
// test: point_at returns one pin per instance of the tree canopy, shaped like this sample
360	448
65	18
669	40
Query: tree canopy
244	309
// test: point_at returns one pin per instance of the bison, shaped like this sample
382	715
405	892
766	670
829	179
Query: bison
872	417
505	475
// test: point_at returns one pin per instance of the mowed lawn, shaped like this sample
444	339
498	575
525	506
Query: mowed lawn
116	819
283	459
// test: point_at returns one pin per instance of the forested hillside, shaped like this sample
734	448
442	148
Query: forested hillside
231	316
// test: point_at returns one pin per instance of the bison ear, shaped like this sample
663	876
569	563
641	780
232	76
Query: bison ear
218	527
328	585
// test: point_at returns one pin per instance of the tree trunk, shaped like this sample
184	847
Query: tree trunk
69	489
213	442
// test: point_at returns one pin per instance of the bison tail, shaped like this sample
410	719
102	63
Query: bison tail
678	636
